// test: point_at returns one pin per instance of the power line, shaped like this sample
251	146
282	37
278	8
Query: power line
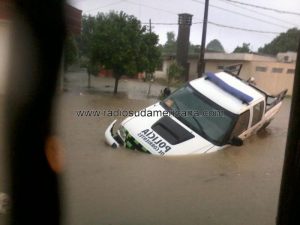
174	13
167	24
265	8
151	7
243	29
241	14
198	22
104	6
219	25
133	3
259	13
79	1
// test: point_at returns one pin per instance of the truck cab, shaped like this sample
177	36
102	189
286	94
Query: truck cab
205	115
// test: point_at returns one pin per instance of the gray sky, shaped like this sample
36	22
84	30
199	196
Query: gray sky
221	12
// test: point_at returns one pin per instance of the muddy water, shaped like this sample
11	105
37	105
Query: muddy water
238	185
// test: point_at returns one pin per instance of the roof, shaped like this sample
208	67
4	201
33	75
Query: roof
220	56
238	57
223	98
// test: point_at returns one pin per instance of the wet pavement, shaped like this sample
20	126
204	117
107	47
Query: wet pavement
102	186
132	88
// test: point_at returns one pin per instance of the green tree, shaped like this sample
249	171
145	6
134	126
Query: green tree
70	52
194	48
171	44
84	43
91	68
84	40
287	41
215	46
118	42
170	37
150	53
173	72
245	48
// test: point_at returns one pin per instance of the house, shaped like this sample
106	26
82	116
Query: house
73	17
271	73
287	57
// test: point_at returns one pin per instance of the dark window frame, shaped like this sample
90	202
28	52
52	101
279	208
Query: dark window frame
277	70
261	69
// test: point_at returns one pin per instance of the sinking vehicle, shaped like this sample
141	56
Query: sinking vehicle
206	115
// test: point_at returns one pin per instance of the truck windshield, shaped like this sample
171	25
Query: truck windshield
202	115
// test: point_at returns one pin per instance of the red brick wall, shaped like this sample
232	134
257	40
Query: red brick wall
73	15
5	9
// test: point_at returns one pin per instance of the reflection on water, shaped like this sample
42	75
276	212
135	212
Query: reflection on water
238	185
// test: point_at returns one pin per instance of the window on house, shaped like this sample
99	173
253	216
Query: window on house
234	67
285	58
160	66
261	69
290	71
220	67
277	70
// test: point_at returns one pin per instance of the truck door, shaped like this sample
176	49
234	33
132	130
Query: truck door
257	115
241	127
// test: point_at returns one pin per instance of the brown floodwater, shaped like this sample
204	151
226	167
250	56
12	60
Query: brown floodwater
234	186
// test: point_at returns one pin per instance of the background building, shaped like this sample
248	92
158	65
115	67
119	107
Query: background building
271	73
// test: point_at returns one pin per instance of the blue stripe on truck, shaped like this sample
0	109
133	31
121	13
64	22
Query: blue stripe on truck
229	89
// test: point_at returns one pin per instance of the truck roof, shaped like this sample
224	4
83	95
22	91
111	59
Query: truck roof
223	98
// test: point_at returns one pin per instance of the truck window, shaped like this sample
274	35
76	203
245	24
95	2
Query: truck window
257	113
241	124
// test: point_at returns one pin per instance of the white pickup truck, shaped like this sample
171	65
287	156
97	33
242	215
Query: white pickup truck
206	115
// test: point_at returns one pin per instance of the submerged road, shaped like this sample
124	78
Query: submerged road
101	186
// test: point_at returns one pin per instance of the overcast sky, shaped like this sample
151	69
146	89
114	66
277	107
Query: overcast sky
221	12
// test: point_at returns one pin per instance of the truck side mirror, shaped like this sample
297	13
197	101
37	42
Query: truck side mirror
166	92
236	141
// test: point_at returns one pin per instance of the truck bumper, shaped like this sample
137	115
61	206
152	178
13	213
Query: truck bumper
111	139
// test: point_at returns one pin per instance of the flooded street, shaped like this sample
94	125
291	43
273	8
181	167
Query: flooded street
102	186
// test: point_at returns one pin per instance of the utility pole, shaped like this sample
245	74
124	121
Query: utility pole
201	62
